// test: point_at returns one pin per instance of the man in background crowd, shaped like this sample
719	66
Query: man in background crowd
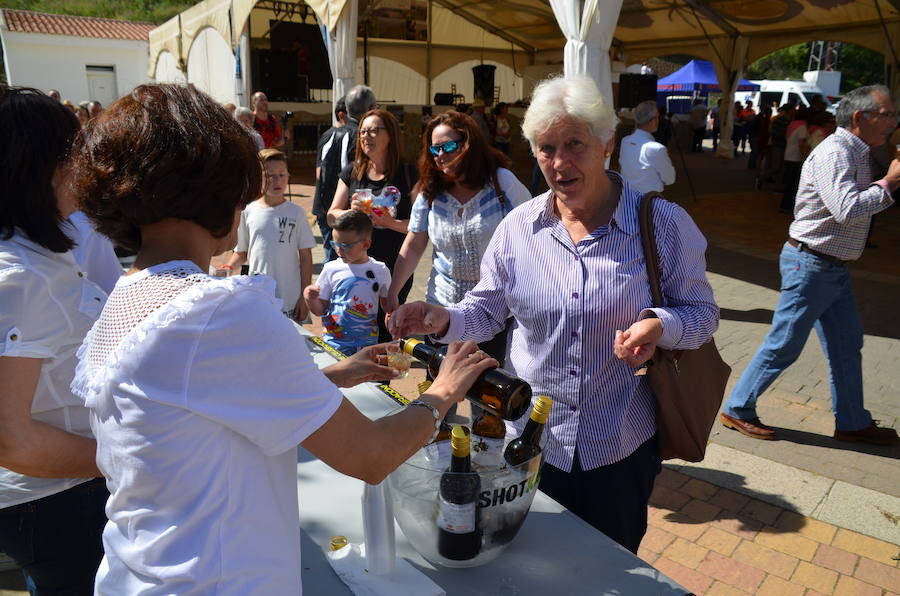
337	148
265	123
836	200
644	162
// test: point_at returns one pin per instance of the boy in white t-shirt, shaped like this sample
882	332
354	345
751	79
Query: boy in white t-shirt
275	233
348	289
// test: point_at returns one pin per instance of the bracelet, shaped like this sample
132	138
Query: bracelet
434	412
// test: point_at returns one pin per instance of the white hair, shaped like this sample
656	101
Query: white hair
645	111
575	97
242	111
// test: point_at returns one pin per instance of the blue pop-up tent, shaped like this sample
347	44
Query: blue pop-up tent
698	75
697	78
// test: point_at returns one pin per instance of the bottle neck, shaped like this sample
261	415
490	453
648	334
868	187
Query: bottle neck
427	354
532	432
460	463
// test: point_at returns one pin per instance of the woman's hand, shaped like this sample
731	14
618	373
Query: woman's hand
391	302
637	344
356	204
369	364
462	365
418	318
381	217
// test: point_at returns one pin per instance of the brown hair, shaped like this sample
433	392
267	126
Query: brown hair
267	155
392	127
477	160
164	150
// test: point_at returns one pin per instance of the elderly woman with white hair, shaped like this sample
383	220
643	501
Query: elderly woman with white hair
569	268
245	117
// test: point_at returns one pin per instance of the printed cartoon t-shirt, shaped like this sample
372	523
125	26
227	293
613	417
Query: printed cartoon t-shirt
353	291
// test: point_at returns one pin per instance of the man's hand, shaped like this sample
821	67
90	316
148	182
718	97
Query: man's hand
369	364
637	344
418	318
893	174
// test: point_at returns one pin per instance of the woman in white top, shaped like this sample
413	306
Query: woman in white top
464	192
51	499
200	388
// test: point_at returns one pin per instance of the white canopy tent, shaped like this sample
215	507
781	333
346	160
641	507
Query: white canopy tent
573	36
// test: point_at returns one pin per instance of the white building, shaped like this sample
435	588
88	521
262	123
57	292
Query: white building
84	58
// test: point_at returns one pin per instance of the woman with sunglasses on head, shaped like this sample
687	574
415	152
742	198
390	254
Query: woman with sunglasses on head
379	167
464	191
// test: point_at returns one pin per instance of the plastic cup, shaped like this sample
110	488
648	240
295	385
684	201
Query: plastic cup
364	197
398	359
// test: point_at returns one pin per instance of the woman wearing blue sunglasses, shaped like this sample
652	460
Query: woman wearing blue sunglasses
464	191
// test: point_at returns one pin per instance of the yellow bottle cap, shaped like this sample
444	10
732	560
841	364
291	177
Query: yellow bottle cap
542	406
339	542
408	343
460	440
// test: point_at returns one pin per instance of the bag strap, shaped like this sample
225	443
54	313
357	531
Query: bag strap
648	241
501	196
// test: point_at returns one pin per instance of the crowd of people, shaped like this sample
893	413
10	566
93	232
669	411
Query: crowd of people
146	413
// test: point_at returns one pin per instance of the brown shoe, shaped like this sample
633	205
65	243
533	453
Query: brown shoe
874	434
753	428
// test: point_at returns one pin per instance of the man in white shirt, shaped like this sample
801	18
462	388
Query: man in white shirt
644	162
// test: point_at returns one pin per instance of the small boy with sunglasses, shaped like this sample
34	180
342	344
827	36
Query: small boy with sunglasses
347	292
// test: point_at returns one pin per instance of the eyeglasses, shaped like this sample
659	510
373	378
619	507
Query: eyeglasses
888	115
448	147
344	245
371	275
370	132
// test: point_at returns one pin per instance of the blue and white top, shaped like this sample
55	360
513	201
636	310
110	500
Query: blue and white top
460	233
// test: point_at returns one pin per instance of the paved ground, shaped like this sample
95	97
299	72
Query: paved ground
805	514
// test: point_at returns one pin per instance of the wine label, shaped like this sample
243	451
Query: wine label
487	452
456	518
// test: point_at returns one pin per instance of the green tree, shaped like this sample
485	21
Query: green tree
857	65
153	11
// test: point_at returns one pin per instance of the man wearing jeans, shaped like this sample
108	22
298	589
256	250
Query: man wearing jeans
835	204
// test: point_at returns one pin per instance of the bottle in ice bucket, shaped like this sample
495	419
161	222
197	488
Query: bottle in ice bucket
488	434
528	444
459	532
495	390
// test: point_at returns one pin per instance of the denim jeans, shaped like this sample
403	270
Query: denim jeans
814	293
56	540
325	230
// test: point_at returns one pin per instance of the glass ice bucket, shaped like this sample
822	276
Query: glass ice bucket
504	499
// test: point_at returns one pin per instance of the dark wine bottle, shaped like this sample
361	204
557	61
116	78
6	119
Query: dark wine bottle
495	390
528	444
459	531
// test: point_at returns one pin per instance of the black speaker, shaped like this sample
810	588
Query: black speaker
275	74
484	82
635	88
443	99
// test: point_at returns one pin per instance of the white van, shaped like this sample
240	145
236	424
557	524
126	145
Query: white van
778	93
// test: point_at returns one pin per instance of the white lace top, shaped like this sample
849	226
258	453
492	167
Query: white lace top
200	390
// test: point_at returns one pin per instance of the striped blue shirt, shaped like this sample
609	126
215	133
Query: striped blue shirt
836	198
568	300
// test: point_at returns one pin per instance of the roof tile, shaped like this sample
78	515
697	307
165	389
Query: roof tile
26	21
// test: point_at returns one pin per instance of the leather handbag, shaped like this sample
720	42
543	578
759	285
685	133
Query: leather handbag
688	384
